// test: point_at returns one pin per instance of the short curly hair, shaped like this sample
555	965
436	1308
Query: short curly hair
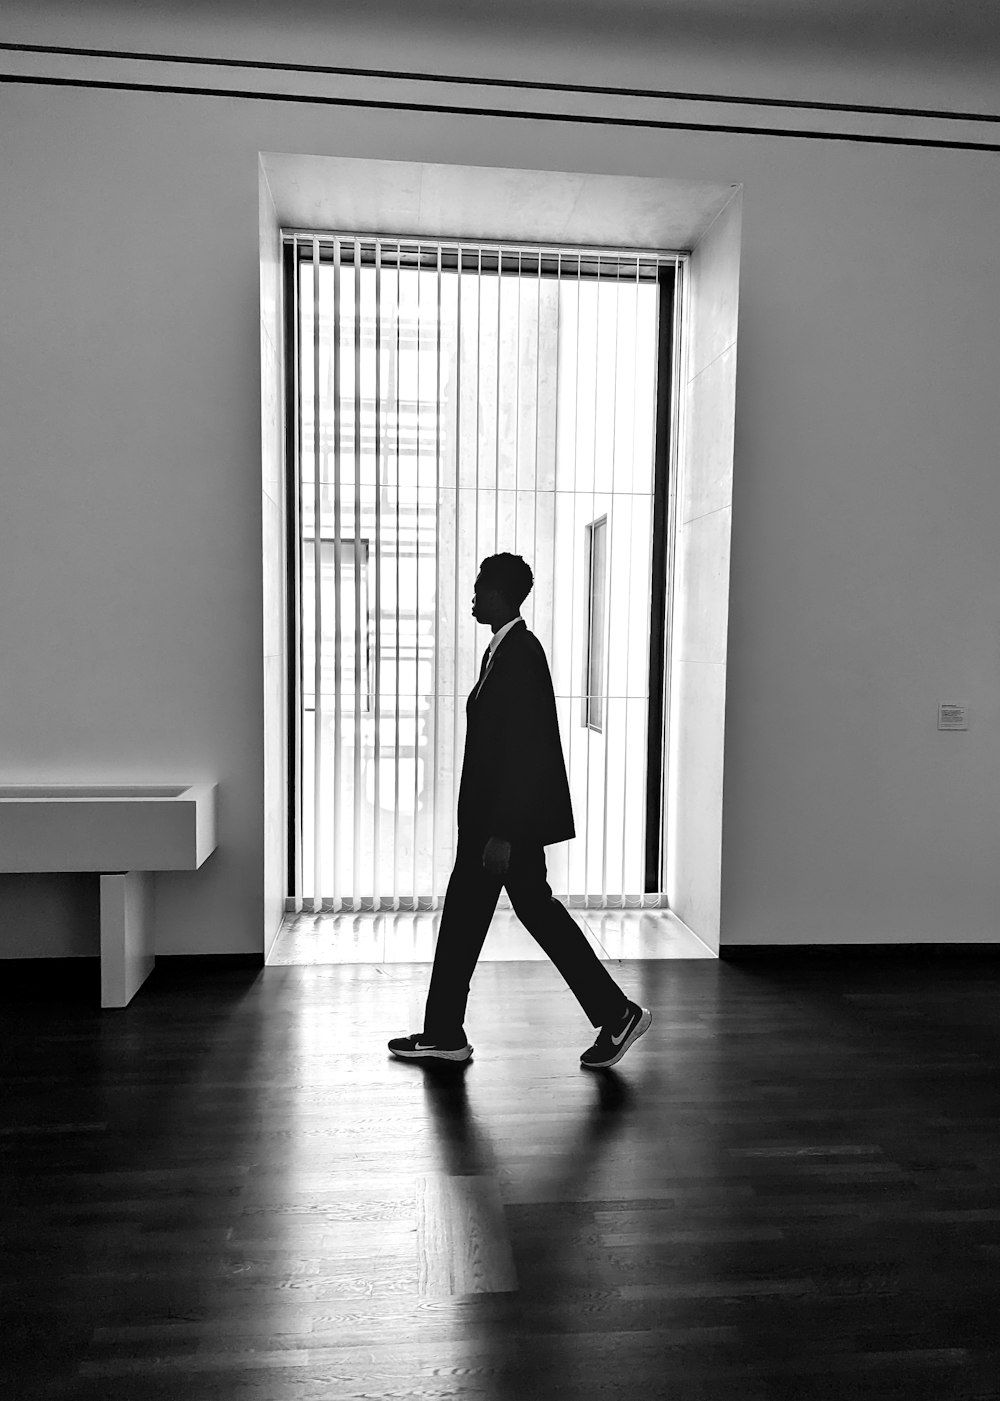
510	575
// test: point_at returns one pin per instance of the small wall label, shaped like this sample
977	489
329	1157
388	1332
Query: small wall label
953	717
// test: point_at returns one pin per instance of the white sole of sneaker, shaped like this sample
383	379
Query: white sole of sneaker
640	1028
463	1054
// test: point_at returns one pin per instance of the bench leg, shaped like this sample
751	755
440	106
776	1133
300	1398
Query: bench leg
126	936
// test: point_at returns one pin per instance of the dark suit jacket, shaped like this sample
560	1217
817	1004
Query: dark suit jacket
513	775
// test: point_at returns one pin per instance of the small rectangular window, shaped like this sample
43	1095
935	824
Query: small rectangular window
597	554
355	644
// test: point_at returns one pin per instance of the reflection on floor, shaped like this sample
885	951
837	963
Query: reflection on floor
786	1191
409	937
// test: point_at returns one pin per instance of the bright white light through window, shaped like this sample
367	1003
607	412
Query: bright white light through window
446	409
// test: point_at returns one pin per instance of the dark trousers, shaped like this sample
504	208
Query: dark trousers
469	904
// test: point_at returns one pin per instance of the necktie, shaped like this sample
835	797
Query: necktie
487	655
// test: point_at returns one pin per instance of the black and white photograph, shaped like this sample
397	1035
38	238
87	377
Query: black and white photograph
499	700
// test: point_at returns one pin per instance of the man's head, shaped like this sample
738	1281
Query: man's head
503	583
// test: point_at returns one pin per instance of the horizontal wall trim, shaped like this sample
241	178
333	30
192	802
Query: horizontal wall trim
802	953
203	962
518	84
82	974
513	114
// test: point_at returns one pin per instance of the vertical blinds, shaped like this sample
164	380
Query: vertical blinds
452	402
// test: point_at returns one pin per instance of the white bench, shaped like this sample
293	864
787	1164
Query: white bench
123	831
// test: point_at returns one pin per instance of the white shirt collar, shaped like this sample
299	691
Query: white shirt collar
501	633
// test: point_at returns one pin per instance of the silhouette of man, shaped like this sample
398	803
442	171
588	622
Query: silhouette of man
513	801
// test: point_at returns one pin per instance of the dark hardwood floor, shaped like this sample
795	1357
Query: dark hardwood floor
788	1189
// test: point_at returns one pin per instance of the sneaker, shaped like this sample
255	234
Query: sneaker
614	1039
421	1048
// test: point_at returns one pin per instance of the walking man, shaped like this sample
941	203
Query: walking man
513	801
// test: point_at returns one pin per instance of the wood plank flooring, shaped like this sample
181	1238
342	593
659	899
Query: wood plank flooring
228	1190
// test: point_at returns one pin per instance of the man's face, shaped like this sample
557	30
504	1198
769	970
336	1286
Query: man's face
484	601
478	594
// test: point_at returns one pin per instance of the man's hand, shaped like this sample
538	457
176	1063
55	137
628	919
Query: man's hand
496	856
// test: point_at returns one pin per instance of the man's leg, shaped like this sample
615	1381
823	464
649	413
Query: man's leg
469	903
551	924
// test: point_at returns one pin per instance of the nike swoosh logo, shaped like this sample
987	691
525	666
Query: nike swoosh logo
617	1040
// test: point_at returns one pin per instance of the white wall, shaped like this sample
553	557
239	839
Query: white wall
130	557
920	53
865	574
275	687
699	616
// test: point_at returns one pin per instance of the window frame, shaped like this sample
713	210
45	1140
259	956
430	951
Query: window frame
355	555
594	697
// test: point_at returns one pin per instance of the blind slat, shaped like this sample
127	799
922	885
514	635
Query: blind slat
318	765
360	562
607	585
398	687
294	497
418	416
377	680
456	712
434	759
640	881
338	637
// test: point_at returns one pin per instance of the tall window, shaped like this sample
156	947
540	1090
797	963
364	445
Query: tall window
449	402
